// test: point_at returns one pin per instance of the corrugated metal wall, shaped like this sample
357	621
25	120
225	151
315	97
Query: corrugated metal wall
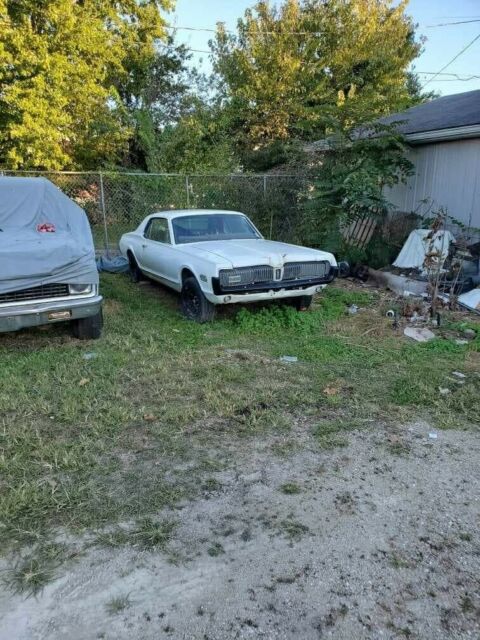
447	175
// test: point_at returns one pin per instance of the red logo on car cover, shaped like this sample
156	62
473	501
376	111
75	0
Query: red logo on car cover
46	227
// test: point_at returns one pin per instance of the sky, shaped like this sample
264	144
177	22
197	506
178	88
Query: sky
442	43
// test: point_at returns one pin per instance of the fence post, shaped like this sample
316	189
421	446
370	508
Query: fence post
104	213
187	187
265	199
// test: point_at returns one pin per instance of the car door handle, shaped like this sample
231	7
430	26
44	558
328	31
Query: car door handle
144	246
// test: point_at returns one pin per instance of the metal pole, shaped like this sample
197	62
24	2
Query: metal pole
271	211
187	187
102	204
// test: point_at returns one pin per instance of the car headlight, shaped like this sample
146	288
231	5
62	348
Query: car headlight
77	289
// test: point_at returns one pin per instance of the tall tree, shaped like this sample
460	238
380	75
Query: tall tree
65	69
309	67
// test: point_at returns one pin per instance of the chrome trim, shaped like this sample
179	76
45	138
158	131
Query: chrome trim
301	270
87	297
246	275
47	306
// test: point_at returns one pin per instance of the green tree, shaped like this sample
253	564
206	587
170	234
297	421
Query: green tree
180	125
311	67
65	70
350	182
198	143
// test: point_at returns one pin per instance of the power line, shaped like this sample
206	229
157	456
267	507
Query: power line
448	24
453	76
458	79
477	37
263	33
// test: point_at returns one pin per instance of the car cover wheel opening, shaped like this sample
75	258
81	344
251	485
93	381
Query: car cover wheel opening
195	305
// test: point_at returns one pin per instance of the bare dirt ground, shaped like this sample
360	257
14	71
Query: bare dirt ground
378	539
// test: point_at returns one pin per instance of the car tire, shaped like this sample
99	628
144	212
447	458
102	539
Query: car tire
88	328
134	270
301	303
195	305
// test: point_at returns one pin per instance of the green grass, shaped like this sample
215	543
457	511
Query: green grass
31	572
293	529
88	444
290	488
118	604
216	549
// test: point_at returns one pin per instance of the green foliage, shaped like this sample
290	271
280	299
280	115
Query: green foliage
275	319
351	179
64	68
305	69
198	143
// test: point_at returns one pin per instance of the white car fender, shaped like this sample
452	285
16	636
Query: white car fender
203	271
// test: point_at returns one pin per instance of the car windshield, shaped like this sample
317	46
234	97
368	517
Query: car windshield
212	226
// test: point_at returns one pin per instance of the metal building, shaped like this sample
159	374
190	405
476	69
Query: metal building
444	139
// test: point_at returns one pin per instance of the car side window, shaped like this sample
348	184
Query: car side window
157	230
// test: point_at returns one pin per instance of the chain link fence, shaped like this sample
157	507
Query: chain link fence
117	202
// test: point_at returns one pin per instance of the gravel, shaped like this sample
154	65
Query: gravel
380	541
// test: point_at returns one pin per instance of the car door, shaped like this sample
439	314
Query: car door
157	251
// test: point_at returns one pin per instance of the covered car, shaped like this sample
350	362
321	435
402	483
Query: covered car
47	259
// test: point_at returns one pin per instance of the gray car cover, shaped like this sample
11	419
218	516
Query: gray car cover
29	257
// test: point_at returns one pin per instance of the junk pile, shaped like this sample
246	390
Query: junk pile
434	266
434	272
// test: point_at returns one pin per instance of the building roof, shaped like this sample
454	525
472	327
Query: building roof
458	113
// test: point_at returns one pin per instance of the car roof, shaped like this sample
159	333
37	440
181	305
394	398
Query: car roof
176	213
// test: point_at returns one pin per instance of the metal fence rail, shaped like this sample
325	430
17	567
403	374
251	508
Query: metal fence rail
118	202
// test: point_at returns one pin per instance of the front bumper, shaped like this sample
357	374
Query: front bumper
13	318
268	290
228	298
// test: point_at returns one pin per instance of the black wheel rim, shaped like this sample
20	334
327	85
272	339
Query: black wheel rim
192	302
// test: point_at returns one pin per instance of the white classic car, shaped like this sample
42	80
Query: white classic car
219	257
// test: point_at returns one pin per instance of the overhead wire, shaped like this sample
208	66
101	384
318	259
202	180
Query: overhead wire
462	51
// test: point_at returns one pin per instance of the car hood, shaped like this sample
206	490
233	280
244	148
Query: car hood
29	258
245	253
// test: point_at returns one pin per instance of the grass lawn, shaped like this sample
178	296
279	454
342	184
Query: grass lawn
100	438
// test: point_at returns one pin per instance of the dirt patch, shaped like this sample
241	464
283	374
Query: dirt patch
372	545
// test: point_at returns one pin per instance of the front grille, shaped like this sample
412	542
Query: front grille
305	270
36	293
245	276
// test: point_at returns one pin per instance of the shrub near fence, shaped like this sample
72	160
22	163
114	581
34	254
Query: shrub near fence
118	202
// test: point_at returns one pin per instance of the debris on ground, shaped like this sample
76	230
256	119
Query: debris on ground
458	374
289	359
470	300
353	309
419	334
398	283
89	356
419	244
